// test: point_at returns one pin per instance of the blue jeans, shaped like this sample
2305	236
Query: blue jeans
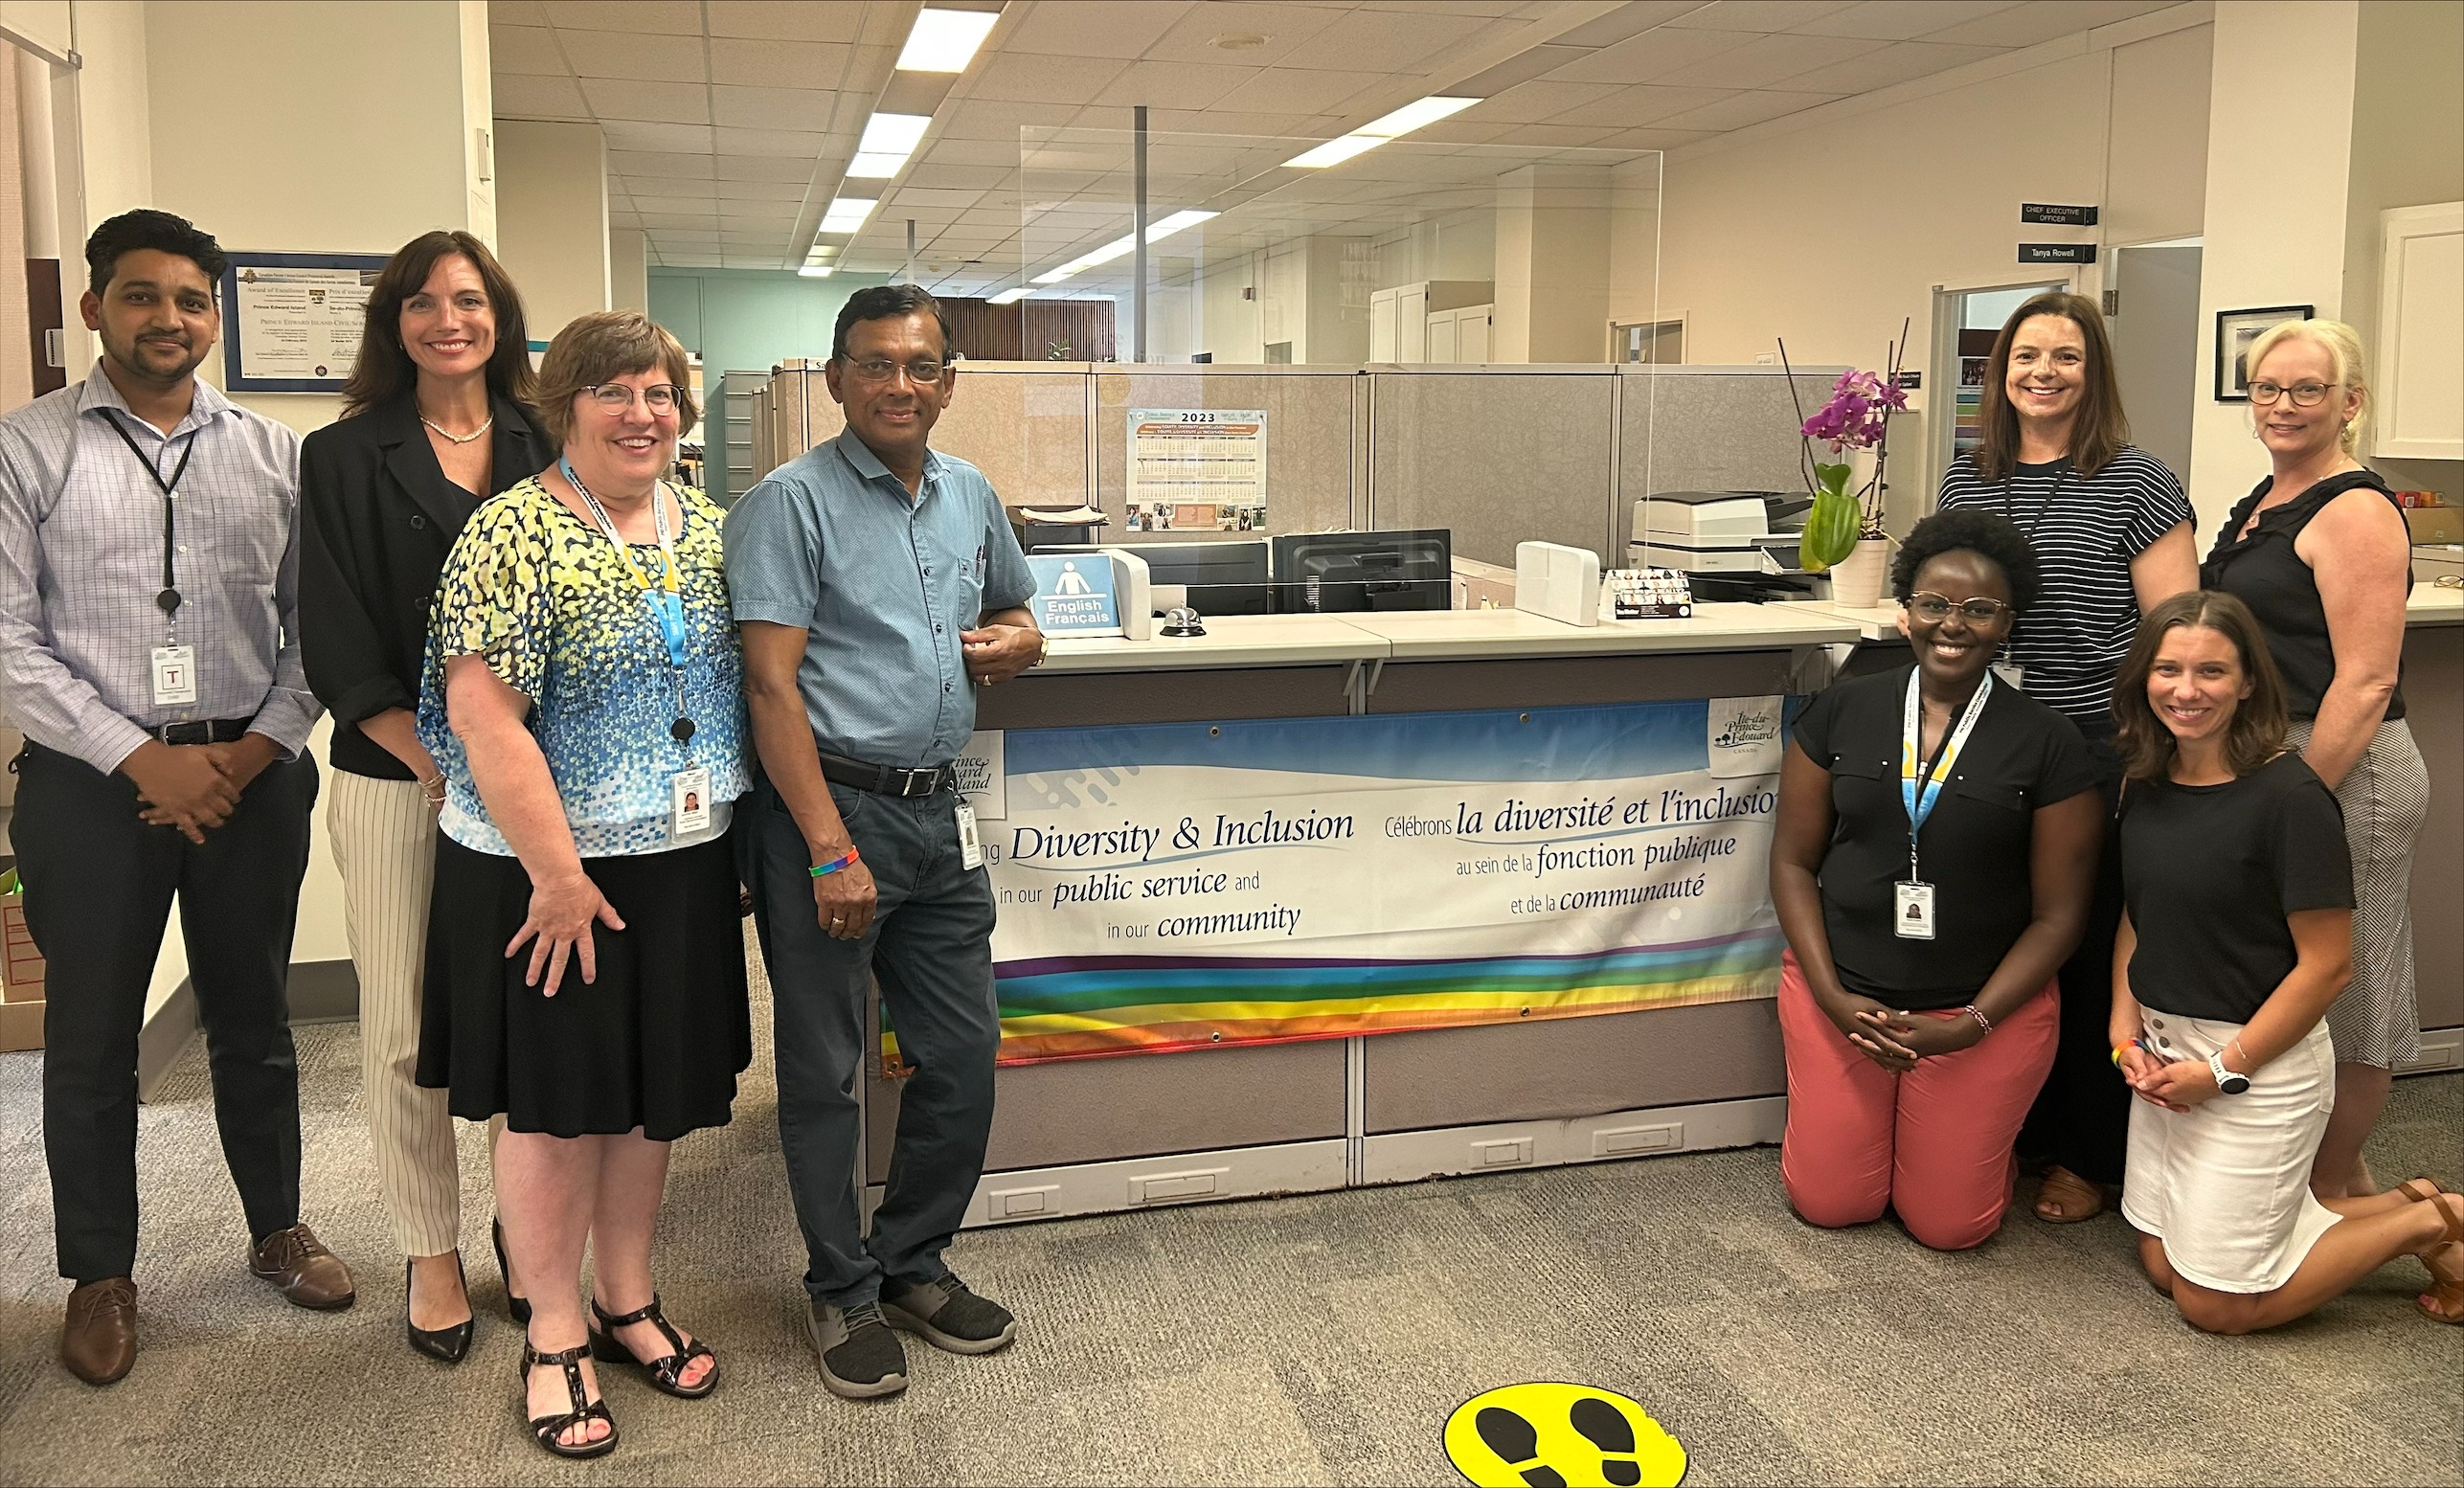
930	946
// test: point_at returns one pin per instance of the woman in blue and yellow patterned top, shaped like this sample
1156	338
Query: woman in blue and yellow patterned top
583	695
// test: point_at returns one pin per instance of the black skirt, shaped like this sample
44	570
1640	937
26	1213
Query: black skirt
656	1042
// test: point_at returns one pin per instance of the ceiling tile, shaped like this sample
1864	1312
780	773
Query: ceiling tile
1027	78
763	168
633	163
1554	136
1653	139
1896	63
537	98
769	20
1769	60
1642	104
667	219
1654	55
807	109
1761	15
1461	131
914	198
517	13
778	64
1285	28
1093	28
1901	20
681	139
652	102
761	191
666	208
982	119
1292	90
660	17
1181	85
1530	102
669	186
1002	153
1227	122
982	178
1745	108
789	143
523	49
1385	40
2042	20
604	54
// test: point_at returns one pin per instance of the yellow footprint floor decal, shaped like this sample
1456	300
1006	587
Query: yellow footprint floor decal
1555	1435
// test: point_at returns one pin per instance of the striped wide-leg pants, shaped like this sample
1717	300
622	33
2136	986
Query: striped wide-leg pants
385	844
2386	797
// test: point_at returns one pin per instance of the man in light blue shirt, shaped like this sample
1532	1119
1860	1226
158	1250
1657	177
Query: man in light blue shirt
150	650
877	584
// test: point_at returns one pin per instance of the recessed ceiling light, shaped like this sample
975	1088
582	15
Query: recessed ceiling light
1121	246
945	41
815	271
1240	41
1011	296
846	214
1377	131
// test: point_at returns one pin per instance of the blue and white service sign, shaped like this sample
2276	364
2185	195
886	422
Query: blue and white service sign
1075	595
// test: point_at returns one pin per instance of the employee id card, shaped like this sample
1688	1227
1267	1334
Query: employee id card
174	674
1911	911
689	802
970	845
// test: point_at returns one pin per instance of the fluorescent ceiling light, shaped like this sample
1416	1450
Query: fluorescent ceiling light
846	214
1121	246
1011	296
1377	131
894	133
816	271
945	41
876	164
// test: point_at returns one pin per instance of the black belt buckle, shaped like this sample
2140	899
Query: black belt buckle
920	783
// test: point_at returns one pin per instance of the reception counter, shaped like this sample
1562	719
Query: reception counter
1141	1129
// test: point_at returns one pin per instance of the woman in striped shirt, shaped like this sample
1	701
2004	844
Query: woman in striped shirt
2111	530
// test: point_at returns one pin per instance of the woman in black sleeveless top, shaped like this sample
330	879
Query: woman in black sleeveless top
2321	555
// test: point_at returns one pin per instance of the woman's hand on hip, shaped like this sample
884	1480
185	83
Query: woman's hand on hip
562	911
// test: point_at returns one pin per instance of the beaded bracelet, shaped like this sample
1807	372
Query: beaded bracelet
821	871
1982	1022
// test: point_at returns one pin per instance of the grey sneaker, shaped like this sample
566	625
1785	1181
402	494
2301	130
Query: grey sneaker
861	1358
949	1316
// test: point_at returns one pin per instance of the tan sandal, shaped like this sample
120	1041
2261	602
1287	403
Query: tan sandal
2446	1291
2074	1198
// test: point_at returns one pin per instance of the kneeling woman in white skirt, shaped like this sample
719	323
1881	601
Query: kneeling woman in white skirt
2237	935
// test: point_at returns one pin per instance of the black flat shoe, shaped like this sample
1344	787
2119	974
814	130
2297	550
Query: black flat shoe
519	1307
664	1373
447	1346
548	1427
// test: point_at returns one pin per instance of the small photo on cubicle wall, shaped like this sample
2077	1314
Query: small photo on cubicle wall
2235	330
291	322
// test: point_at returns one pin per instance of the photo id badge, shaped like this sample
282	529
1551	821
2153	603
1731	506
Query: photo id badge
2011	674
1912	911
174	674
970	847
689	802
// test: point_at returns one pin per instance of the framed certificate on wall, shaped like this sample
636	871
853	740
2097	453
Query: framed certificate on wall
291	322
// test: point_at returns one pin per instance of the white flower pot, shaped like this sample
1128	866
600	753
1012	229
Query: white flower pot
1857	579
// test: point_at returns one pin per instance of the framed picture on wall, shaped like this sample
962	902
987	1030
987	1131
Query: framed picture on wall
291	322
2235	330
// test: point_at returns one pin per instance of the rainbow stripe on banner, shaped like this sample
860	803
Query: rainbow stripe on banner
1090	1006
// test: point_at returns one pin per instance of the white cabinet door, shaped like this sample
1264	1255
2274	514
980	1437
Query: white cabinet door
1381	326
2421	334
1441	337
1411	324
1472	334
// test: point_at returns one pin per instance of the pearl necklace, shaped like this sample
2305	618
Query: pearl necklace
461	438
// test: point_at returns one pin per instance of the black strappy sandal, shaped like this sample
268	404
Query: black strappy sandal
548	1427
664	1373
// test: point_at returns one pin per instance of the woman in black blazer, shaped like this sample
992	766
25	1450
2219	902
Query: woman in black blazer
436	420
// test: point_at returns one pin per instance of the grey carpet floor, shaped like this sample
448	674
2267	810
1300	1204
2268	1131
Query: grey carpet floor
1321	1339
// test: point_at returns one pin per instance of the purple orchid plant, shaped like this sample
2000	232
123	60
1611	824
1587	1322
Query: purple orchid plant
1857	416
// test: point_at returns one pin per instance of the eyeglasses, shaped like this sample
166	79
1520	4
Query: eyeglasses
2304	395
880	369
1937	608
616	398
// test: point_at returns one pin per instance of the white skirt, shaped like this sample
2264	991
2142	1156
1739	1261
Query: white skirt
2226	1184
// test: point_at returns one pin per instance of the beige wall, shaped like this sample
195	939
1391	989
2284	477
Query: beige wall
628	269
551	218
1553	264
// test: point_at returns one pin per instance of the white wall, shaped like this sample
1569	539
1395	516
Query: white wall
1553	264
1833	226
1459	245
628	269
2276	206
1633	242
551	219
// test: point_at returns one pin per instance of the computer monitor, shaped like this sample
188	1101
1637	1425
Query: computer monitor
1325	572
1218	577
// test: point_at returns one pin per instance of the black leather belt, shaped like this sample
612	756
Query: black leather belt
887	780
214	730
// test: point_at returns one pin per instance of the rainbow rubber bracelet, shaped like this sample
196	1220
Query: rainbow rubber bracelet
824	869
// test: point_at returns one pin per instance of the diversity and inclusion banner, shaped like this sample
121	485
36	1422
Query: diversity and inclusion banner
1179	885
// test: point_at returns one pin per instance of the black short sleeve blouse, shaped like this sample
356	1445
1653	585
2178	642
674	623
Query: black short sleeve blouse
1975	851
2209	873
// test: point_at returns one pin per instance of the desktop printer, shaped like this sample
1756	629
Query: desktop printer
1744	542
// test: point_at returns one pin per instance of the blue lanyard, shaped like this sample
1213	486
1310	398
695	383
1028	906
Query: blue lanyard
666	603
1919	797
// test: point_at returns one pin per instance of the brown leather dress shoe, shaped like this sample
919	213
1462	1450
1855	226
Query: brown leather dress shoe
99	1340
297	1261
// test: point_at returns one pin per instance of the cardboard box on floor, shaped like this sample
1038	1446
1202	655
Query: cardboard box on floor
21	972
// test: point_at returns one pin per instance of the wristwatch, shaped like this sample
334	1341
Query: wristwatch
2226	1080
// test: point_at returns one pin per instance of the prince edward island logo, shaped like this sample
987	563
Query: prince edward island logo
974	773
1747	729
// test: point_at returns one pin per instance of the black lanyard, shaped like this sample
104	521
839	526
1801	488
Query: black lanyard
2042	507
169	600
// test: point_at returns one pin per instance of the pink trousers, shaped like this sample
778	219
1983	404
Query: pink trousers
1933	1144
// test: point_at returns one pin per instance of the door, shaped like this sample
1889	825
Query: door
1382	313
1966	319
1472	334
2151	313
1411	324
1441	337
